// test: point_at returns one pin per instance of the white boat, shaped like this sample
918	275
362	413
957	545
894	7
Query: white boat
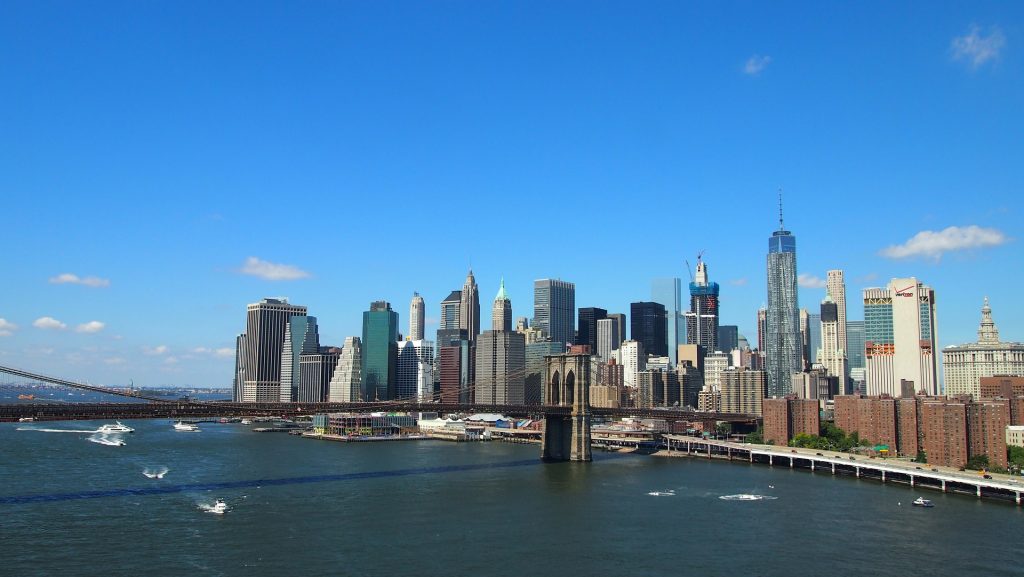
669	493
185	427
115	428
26	420
218	508
922	502
246	422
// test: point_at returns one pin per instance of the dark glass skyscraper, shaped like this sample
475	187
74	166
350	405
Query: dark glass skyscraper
380	351
648	326
783	345
587	332
554	309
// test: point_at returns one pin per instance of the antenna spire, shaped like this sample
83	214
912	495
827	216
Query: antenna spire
781	226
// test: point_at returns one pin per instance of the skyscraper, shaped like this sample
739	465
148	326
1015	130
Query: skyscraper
315	372
835	285
346	382
414	370
855	344
965	365
300	338
667	291
782	343
264	341
648	327
469	307
587	333
554	309
832	355
380	333
899	326
501	368
608	338
634	360
450	311
620	320
417	310
728	337
239	378
501	313
702	320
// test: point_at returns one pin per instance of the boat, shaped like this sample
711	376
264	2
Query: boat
26	419
218	508
922	502
115	428
26	397
246	422
185	427
668	493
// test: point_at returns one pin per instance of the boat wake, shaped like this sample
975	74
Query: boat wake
668	493
38	430
218	508
109	440
747	497
157	473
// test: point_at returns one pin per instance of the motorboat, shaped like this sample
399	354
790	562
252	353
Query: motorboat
26	419
246	422
117	427
218	508
922	502
185	427
668	493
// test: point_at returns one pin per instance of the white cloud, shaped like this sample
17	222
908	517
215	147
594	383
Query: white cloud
272	271
755	64
932	244
977	49
114	361
90	327
739	281
157	350
48	323
224	352
810	281
170	360
70	278
7	328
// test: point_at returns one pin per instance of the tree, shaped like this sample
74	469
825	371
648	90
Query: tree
756	438
977	463
723	429
1015	456
921	457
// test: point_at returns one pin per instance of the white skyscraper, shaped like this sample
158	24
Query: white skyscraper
715	364
832	354
416	313
835	286
633	360
345	386
608	338
900	337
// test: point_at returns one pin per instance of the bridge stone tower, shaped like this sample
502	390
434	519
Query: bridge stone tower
567	384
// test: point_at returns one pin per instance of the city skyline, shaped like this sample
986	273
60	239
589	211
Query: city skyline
145	183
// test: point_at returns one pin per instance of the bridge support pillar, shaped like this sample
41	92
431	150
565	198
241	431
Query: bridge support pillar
943	486
812	465
791	459
979	491
568	385
911	480
883	476
833	468
770	462
858	471
1017	498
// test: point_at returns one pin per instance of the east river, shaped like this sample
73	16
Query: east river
72	505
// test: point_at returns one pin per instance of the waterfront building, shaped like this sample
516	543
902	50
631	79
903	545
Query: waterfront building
648	327
346	383
874	419
832	354
608	338
587	332
668	292
450	311
986	431
782	319
715	364
380	353
469	307
835	288
301	337
965	365
554	309
633	359
900	339
944	434
265	327
702	319
788	417
417	310
742	390
500	368
315	373
536	367
414	370
501	311
728	338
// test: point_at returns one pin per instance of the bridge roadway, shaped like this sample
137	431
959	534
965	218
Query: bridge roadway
888	470
194	409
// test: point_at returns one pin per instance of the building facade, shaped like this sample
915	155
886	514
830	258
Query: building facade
587	332
782	344
832	354
414	370
742	391
835	288
417	310
469	307
633	360
702	319
380	353
554	309
266	323
900	339
647	326
668	292
500	368
315	373
965	365
788	417
346	382
301	337
608	338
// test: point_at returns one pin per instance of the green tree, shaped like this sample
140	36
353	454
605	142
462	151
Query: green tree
723	429
977	462
921	457
756	438
1015	456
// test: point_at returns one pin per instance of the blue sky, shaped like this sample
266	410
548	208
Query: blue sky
373	149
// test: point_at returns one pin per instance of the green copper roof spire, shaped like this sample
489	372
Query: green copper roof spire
501	292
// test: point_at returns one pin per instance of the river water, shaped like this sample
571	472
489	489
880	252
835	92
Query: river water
71	505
